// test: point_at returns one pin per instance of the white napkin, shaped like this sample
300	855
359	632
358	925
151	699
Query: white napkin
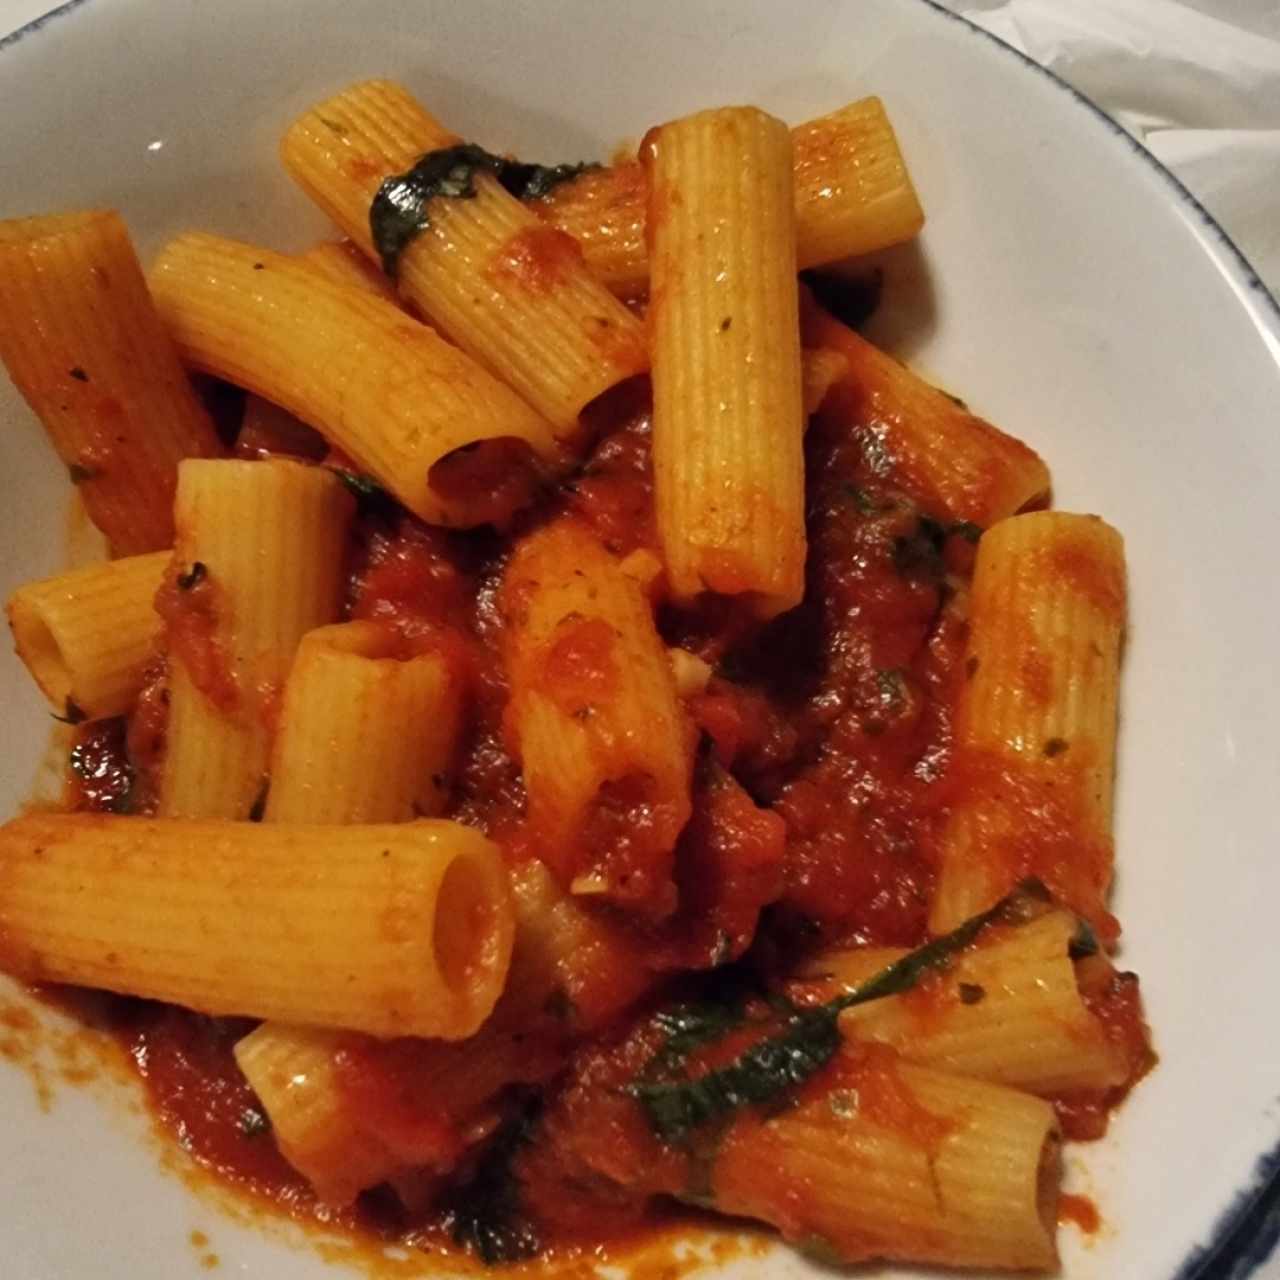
1196	81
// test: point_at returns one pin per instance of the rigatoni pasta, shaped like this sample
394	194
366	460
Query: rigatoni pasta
386	390
1036	720
959	463
1009	1011
594	719
294	1072
367	729
727	399
515	295
341	262
314	1086
903	1162
86	635
393	930
853	195
257	564
82	342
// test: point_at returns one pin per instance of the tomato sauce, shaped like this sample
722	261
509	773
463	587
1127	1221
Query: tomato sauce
1116	1001
820	787
190	603
538	259
1081	1212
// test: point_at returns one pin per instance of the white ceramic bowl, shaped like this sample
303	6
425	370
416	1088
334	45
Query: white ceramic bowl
1065	285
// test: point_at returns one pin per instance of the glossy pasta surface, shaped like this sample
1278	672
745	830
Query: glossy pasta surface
595	738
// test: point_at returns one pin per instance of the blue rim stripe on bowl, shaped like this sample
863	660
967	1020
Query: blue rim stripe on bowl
30	28
1247	1231
1235	264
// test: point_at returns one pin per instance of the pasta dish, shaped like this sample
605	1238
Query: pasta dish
568	726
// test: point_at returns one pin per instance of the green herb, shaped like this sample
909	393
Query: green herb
811	1036
892	685
559	1005
486	1214
79	473
821	1251
689	1026
533	181
360	486
371	498
919	553
399	212
863	501
194	576
72	713
253	1123
1084	942
677	1109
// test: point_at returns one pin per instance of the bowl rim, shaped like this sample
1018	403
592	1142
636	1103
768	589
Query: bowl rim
1246	1231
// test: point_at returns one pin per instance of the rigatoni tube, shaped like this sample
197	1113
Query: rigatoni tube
1035	733
340	262
258	562
85	347
727	401
367	729
294	1072
853	195
604	744
86	635
392	930
513	293
316	1086
1009	1010
385	389
928	441
895	1161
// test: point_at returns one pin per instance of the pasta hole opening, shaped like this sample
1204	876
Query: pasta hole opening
39	649
489	479
464	921
624	400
